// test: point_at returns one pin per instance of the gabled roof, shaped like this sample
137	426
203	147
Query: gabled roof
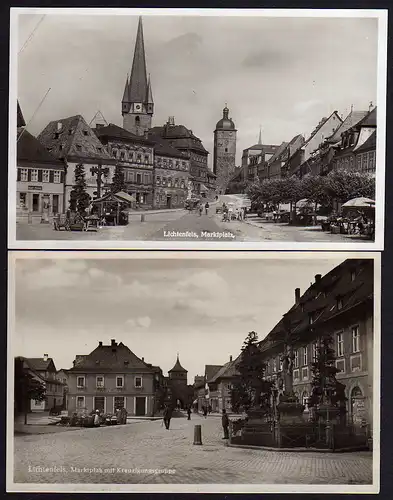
321	300
210	371
20	121
281	148
115	132
40	365
227	371
110	358
350	121
72	137
30	149
370	120
178	367
369	144
178	136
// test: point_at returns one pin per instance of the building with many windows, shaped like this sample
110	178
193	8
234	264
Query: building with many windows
40	178
135	155
44	371
220	385
74	142
340	305
112	377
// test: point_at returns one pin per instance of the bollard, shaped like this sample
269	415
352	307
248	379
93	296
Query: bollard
142	217
198	434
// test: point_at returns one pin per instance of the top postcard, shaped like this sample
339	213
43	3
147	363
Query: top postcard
197	129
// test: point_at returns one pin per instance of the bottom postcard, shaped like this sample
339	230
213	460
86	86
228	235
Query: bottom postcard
193	372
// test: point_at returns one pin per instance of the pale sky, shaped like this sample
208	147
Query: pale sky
202	308
284	74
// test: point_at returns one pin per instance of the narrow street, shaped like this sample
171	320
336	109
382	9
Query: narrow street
145	452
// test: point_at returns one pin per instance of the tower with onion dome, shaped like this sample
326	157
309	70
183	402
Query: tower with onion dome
224	159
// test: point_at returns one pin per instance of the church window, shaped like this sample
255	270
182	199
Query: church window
137	120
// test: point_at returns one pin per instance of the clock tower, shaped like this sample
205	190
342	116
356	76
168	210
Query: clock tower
224	161
137	106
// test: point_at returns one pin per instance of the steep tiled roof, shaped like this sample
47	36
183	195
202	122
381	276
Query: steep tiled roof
166	150
369	144
177	136
30	149
350	121
227	371
72	137
108	358
370	120
281	148
39	364
116	132
321	299
211	370
20	121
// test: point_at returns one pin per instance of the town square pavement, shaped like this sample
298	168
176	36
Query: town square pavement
182	225
145	452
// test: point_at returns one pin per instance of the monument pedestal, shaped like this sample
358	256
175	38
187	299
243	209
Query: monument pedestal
290	410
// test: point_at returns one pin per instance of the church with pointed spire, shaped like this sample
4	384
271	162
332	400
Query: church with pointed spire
137	106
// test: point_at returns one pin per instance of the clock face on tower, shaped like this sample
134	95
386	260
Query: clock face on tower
138	107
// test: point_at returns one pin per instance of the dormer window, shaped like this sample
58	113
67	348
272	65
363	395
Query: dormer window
78	147
85	132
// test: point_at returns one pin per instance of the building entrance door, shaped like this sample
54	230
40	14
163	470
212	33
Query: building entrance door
140	406
169	202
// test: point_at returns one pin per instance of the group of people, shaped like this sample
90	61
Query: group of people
229	213
201	206
167	415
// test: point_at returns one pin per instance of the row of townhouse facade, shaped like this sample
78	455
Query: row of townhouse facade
334	144
156	173
339	305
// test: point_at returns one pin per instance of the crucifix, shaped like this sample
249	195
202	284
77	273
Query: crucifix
100	171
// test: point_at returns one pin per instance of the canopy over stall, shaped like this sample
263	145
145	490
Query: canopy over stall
109	200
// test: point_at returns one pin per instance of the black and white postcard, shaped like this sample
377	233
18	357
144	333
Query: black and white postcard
197	128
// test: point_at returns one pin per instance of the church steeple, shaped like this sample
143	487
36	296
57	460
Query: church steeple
137	103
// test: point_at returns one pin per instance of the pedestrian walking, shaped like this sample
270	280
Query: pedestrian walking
189	413
200	210
207	208
225	424
97	419
167	416
205	411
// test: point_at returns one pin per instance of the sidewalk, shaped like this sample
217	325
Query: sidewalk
152	212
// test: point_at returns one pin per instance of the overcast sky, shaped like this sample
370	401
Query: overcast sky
202	309
284	74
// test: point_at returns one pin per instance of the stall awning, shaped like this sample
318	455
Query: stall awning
121	197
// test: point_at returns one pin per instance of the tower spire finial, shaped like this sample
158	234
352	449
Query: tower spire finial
260	135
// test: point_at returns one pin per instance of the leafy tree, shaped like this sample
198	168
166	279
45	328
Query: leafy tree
118	183
315	189
79	198
251	384
27	387
325	386
344	185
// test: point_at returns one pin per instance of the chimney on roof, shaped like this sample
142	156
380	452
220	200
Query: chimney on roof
297	295
318	277
45	357
230	357
370	106
143	359
100	343
113	343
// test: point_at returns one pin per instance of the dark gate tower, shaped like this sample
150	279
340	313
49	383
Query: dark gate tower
224	161
137	106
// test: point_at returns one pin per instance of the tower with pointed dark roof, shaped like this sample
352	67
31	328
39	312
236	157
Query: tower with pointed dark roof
224	160
178	384
137	105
